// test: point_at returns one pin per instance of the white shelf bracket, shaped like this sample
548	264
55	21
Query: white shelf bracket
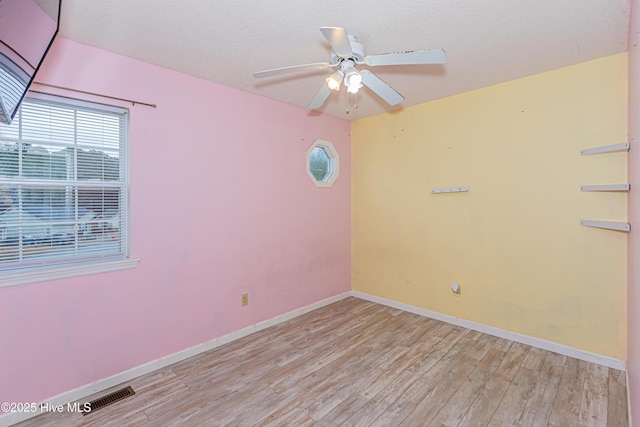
609	225
450	189
606	187
606	149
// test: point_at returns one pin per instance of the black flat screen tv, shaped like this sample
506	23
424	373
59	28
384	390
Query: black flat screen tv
27	31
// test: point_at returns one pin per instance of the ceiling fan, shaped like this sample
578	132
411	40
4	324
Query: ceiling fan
347	54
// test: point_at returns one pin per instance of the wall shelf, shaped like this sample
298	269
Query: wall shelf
606	149
606	187
459	189
609	225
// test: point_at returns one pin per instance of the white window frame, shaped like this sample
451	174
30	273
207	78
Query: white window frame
71	269
334	166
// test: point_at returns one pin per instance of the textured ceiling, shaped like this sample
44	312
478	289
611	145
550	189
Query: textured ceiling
487	41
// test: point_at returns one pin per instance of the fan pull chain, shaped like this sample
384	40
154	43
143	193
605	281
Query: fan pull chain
355	102
347	111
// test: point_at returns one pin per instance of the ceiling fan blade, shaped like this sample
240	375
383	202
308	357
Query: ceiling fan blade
339	41
292	69
320	97
416	57
381	89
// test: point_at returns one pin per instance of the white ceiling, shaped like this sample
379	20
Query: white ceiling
487	41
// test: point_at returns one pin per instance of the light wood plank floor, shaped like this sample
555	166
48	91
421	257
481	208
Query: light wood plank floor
356	363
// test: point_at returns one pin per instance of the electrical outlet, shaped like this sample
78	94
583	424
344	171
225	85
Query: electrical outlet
245	300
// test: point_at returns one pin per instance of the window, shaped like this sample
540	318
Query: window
63	186
322	163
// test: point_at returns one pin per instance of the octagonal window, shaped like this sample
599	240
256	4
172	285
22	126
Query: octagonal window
319	164
322	163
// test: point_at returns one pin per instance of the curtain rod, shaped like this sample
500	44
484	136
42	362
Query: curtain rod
97	94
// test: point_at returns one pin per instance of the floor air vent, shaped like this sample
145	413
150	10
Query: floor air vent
107	400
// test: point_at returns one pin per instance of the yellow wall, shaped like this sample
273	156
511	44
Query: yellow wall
514	241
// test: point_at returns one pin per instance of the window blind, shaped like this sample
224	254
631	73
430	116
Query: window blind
63	184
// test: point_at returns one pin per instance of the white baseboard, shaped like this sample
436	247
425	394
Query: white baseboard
119	378
607	361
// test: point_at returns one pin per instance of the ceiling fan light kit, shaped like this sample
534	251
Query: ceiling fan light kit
347	54
334	80
354	88
352	80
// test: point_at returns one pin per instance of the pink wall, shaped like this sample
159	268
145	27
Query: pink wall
633	310
221	204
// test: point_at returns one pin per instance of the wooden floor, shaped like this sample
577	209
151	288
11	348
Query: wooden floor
356	363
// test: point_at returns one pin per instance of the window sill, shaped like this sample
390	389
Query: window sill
21	278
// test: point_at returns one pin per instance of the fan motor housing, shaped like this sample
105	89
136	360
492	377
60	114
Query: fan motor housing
356	48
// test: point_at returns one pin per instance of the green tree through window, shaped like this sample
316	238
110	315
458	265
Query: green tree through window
319	163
